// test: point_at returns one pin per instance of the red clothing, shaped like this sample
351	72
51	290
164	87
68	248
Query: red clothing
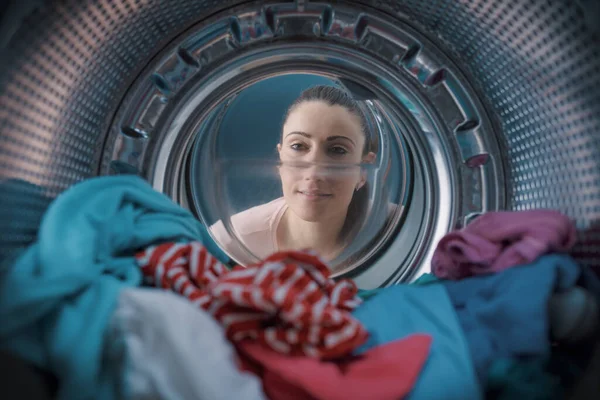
287	302
385	372
298	318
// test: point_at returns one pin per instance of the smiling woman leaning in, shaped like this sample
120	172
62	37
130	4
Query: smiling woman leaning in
325	194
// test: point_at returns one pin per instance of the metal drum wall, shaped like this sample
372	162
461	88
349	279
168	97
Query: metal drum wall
68	65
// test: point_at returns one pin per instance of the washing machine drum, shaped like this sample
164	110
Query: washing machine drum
489	104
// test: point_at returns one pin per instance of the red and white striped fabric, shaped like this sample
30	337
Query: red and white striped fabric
288	302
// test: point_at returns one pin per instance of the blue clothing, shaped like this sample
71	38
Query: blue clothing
505	315
530	379
590	281
424	279
398	311
58	295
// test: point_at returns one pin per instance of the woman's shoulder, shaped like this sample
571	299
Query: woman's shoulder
257	218
254	227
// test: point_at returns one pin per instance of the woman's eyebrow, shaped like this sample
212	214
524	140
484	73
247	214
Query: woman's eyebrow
330	138
299	133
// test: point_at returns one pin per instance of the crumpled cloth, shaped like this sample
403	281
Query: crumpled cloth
386	372
507	315
58	295
402	310
174	351
287	302
496	241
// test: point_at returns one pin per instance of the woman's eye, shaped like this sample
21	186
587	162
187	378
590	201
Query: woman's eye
337	150
298	146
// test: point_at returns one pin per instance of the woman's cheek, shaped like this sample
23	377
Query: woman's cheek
288	178
343	187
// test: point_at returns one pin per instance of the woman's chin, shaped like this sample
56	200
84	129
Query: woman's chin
310	213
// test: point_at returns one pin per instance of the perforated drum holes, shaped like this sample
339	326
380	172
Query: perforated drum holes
79	71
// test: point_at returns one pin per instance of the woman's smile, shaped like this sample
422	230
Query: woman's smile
314	195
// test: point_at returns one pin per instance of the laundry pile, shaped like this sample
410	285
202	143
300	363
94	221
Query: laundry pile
124	295
287	303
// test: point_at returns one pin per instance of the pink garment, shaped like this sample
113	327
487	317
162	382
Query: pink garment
384	372
256	228
496	241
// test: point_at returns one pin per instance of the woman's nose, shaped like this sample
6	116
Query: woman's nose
315	156
314	168
314	171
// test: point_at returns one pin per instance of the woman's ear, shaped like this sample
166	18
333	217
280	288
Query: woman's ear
361	183
279	154
369	158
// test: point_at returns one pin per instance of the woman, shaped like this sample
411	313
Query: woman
325	194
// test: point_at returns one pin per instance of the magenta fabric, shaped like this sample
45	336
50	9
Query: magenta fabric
499	240
386	372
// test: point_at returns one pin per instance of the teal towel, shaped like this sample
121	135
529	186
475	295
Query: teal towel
402	310
424	279
57	296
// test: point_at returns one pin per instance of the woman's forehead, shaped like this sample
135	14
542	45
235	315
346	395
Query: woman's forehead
320	121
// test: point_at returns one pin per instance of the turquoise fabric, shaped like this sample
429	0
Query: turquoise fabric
536	378
402	310
57	296
367	294
505	315
424	279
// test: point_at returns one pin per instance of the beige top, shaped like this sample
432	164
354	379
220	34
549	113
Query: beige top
256	228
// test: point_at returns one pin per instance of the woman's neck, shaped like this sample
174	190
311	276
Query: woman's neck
294	233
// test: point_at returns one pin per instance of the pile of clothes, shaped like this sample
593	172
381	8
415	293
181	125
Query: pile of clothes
125	295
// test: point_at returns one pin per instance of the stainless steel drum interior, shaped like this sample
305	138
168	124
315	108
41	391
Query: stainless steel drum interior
496	104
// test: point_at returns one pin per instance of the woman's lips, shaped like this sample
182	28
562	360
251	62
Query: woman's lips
312	195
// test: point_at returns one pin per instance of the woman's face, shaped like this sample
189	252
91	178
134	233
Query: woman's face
321	148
